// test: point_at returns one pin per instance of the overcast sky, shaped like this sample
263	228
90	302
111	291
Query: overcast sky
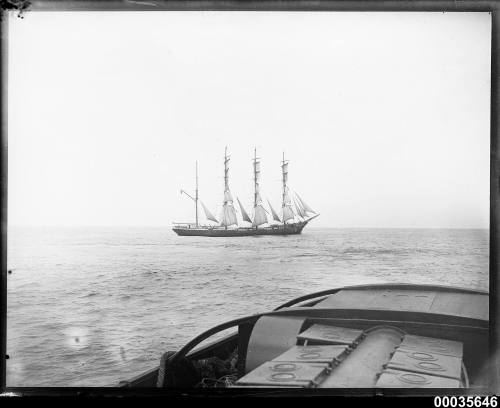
384	116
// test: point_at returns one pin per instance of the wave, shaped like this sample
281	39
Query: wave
172	291
393	251
306	255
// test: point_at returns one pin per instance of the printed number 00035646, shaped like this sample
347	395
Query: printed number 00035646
463	401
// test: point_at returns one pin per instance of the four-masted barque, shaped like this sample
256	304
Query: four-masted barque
295	213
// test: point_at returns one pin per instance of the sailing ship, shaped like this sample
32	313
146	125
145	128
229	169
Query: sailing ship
295	212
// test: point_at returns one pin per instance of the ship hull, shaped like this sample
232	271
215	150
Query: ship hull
288	229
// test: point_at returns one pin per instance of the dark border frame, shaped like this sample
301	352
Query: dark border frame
492	7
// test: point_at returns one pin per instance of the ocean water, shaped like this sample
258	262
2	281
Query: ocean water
93	306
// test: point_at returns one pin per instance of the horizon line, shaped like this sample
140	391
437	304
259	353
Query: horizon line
310	227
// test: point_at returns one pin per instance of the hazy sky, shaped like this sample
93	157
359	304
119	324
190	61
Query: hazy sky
384	116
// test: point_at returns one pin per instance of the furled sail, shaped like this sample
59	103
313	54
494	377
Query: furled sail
304	205
243	212
274	213
208	214
260	216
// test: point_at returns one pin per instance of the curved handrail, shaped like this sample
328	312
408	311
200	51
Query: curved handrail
210	332
236	322
307	297
304	311
312	312
326	292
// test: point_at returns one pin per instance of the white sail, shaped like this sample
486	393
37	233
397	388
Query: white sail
228	211
243	212
208	214
258	199
228	197
274	213
228	215
287	208
287	213
299	209
260	216
286	198
304	205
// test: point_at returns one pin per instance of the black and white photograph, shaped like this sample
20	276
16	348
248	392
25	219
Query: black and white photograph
248	200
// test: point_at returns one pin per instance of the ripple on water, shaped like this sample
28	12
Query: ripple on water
91	307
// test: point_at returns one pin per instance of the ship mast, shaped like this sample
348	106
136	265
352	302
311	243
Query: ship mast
255	192
228	212
286	205
226	181
196	194
284	188
255	177
259	211
195	198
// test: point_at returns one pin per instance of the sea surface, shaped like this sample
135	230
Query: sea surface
93	306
